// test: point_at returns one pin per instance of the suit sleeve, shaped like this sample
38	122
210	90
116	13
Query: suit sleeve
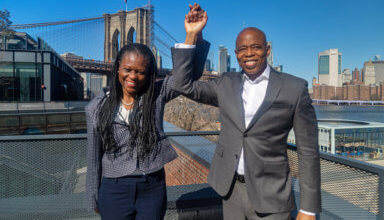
93	160
185	80
306	135
199	56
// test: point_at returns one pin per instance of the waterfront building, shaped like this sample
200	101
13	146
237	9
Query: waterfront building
349	92
207	65
356	76
358	139
93	83
346	76
229	63
279	68
314	81
369	73
330	67
71	56
379	70
373	72
223	60
32	71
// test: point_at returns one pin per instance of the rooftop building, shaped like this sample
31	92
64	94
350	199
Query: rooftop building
32	71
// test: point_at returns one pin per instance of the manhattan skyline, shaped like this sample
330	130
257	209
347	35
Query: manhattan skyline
299	30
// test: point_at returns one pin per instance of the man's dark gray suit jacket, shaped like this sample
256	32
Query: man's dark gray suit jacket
286	105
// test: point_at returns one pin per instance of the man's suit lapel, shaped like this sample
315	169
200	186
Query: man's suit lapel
237	102
273	89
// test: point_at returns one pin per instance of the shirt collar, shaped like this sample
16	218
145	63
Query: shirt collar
263	76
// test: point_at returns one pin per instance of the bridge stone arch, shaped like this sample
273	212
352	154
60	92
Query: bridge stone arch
115	43
126	23
131	36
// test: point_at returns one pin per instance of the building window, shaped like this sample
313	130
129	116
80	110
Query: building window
324	64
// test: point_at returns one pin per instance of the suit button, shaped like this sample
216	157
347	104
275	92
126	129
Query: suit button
245	135
236	156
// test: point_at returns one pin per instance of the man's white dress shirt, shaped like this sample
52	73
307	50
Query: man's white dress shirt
253	95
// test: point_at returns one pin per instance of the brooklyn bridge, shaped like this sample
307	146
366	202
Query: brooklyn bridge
94	42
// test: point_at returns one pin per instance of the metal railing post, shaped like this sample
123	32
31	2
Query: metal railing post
381	196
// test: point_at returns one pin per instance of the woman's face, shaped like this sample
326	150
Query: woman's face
132	73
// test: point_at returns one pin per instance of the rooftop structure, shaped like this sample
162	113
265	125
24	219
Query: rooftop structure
358	139
32	71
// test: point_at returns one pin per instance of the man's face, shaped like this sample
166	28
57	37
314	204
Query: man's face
252	51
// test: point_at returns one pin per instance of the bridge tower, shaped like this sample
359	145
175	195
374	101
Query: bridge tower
126	27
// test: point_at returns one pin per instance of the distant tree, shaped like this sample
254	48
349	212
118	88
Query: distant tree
5	23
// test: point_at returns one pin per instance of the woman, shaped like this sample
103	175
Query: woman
127	147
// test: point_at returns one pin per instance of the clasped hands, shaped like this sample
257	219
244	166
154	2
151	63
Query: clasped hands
194	23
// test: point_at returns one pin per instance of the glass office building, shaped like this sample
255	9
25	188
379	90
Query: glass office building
329	72
31	71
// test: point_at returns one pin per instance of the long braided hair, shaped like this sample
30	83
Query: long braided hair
142	129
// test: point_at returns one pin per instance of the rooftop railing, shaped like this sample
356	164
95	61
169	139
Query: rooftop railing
43	177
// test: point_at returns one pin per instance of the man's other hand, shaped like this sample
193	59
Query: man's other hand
302	216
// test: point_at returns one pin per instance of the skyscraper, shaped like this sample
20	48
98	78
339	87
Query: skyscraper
346	76
356	75
369	73
229	63
207	65
373	72
330	67
270	57
223	60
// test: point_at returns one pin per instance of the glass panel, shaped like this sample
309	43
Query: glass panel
25	74
2	42
15	42
38	82
7	82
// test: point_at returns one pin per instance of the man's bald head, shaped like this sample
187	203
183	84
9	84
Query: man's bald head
254	31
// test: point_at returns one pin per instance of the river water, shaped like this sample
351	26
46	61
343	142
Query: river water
361	113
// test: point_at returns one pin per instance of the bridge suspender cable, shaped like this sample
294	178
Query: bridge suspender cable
166	32
25	26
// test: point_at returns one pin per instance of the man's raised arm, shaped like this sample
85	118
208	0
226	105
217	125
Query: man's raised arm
183	77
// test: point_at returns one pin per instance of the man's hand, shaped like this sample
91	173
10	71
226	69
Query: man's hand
194	23
302	216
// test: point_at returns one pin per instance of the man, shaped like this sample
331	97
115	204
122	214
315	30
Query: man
258	107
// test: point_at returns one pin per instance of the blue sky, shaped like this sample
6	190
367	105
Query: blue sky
299	30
